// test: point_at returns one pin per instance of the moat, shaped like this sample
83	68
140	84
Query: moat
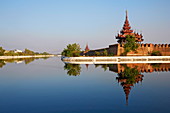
49	85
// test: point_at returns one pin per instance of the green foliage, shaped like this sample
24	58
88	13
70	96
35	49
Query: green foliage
44	53
73	69
28	52
12	53
129	74
72	50
97	53
111	54
29	60
96	65
1	51
156	53
104	66
2	63
130	45
155	65
105	53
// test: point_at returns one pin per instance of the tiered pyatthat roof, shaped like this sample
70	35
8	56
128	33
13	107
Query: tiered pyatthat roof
87	48
127	31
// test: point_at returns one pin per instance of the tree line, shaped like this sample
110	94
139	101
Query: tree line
4	52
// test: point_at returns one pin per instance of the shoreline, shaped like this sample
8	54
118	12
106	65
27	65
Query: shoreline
116	59
31	56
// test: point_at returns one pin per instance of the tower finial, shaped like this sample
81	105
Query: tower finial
126	14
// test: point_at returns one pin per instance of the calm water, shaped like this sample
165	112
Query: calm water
50	86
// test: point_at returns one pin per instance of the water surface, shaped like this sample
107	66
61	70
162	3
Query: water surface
50	86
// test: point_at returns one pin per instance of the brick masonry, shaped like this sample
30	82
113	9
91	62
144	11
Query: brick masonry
143	50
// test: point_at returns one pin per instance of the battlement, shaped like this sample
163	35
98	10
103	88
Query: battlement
146	45
155	45
162	45
144	49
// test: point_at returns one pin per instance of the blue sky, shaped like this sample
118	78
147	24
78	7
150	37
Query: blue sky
49	25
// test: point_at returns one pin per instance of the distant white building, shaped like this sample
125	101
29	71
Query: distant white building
17	51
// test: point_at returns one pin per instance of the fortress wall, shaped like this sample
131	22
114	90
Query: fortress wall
92	52
163	48
120	49
113	49
143	50
147	49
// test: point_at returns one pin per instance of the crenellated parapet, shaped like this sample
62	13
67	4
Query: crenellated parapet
145	45
162	45
147	48
144	49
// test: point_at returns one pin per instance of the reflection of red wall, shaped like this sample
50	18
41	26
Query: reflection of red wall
145	67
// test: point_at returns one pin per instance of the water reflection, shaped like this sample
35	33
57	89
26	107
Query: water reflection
72	69
127	74
75	69
18	60
2	63
127	78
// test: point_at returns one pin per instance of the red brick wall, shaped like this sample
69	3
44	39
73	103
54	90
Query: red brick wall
147	49
143	50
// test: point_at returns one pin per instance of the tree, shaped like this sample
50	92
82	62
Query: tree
11	53
29	52
130	45
156	53
72	50
105	52
1	51
97	53
45	53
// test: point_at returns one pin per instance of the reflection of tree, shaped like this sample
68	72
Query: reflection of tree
45	58
97	65
129	74
104	66
2	63
156	65
26	60
17	60
128	78
73	69
29	60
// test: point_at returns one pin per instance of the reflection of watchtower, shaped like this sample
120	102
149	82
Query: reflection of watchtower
127	81
127	31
